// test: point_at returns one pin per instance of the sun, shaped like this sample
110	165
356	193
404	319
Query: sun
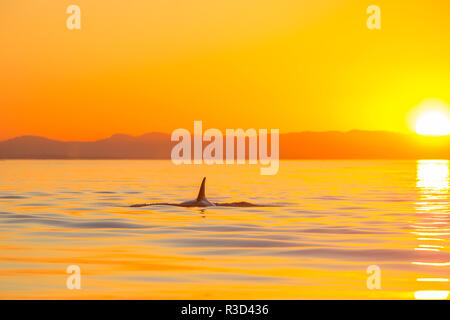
433	123
431	118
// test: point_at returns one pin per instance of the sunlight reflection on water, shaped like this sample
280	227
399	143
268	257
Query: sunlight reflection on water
433	207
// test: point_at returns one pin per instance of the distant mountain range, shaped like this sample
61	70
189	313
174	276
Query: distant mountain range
303	145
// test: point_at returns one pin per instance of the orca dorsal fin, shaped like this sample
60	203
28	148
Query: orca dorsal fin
201	193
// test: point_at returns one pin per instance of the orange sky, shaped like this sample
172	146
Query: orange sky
142	66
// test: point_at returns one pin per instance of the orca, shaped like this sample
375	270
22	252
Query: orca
201	201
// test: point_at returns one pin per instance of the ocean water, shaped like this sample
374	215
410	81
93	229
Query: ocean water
329	222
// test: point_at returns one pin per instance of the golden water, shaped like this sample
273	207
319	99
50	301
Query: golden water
331	221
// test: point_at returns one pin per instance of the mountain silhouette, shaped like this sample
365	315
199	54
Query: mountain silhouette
354	144
118	146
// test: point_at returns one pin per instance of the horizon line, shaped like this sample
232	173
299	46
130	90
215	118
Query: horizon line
169	134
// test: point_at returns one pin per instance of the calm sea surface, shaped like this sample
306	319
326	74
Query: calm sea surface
332	220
